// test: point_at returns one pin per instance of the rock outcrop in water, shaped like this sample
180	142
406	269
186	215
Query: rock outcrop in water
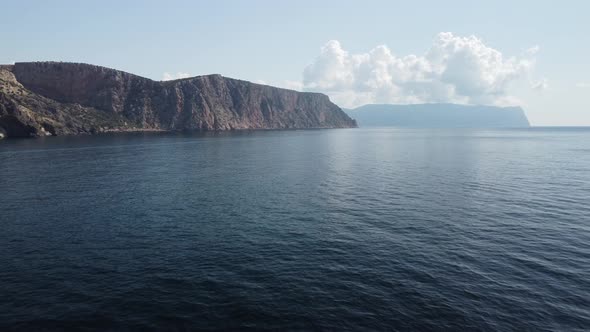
54	98
439	116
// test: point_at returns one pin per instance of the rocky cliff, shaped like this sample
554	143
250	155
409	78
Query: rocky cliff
52	98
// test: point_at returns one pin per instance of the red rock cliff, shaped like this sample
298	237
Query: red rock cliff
52	98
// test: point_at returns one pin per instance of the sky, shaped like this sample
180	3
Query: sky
533	54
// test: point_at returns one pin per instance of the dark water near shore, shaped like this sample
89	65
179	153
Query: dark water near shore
361	229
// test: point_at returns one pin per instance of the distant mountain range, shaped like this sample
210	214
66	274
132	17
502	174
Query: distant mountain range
439	116
54	98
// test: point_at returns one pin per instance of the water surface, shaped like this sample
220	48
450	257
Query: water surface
372	229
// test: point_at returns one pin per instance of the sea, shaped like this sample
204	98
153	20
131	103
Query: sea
375	229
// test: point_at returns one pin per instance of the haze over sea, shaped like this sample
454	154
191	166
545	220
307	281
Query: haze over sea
351	229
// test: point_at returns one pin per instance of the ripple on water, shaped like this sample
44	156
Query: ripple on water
382	229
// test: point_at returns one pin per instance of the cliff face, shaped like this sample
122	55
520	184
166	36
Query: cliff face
49	98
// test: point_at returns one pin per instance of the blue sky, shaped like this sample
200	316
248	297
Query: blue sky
356	52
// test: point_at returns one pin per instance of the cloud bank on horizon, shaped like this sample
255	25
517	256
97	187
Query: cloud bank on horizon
454	69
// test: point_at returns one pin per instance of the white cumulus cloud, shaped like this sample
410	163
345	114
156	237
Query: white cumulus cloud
292	85
454	69
542	84
169	77
286	84
533	50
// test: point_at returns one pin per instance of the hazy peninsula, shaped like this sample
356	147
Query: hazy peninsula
439	116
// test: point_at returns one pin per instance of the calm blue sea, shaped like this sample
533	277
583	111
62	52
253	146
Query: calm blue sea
350	229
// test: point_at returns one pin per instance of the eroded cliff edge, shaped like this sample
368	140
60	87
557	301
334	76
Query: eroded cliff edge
54	98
